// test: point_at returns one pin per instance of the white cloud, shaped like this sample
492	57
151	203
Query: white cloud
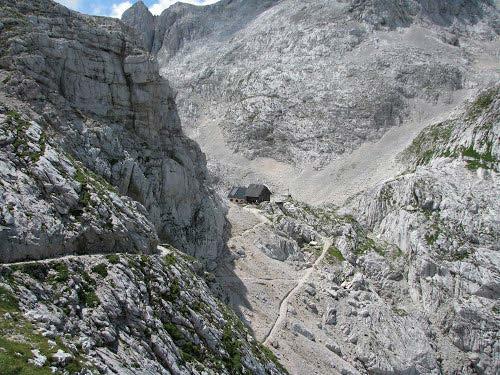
73	4
161	5
117	9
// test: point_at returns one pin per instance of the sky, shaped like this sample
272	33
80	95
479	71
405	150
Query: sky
115	8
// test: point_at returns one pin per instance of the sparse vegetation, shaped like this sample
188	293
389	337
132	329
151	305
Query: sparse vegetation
113	258
86	293
429	144
18	338
7	301
101	269
62	272
477	160
334	255
170	259
174	291
482	102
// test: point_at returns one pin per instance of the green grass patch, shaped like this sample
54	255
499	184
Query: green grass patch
113	258
334	255
482	102
17	339
8	303
101	269
14	359
170	259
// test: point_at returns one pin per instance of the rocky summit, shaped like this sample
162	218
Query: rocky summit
374	123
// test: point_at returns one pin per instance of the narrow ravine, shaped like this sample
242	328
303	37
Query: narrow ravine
283	310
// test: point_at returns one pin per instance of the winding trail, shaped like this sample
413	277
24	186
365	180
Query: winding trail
285	301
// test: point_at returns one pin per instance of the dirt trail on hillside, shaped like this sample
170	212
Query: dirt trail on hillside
284	303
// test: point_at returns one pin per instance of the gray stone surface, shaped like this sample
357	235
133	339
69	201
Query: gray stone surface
98	96
305	83
411	282
126	314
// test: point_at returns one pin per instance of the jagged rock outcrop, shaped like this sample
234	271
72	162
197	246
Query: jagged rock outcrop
98	96
53	205
444	215
308	82
127	314
140	16
411	281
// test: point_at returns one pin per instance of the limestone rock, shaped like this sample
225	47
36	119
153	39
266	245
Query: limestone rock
127	312
99	98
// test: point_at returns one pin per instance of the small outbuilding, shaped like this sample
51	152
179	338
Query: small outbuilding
237	194
256	193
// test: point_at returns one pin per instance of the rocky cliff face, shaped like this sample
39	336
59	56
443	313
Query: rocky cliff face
97	98
308	82
444	215
410	281
93	161
126	314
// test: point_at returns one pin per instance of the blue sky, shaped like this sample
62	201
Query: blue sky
115	8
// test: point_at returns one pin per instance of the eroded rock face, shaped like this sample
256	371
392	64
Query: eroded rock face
98	95
410	283
444	215
53	205
126	314
305	83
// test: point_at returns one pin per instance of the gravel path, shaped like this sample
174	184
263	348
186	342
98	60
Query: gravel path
284	303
